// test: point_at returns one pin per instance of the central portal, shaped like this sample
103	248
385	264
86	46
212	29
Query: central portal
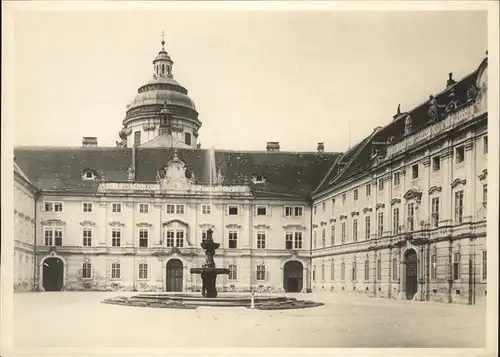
411	274
292	277
174	275
53	274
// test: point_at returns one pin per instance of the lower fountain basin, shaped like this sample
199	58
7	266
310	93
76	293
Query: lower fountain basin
192	301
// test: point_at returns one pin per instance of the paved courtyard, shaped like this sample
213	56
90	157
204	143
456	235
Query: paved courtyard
75	319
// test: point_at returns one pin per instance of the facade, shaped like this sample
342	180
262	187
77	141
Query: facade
401	215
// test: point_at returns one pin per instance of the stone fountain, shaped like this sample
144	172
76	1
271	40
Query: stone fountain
209	272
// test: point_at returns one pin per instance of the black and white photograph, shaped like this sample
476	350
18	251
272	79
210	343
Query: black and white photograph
256	178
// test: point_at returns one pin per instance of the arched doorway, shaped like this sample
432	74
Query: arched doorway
175	273
411	273
53	274
292	276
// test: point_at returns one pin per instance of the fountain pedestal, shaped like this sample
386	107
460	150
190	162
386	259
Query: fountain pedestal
209	272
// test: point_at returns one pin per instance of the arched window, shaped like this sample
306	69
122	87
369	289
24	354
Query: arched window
162	69
187	138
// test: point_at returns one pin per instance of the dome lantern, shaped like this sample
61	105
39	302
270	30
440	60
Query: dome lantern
162	64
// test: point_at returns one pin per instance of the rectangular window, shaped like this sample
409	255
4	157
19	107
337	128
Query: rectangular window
315	239
459	155
411	217
342	271
179	209
354	271
323	237
322	272
433	267
116	207
314	273
343	233
456	266
233	210
355	230
293	211
435	212
333	206
143	208
261	272
379	269
143	238
58	237
179	238
394	268
298	240
261	240
323	206
368	190
233	239
87	237
380	224
367	227
332	235
332	271
261	210
143	271
315	209
436	163
367	270
414	172
233	273
459	206
170	209
205	209
137	138
116	237
381	184
297	212
395	220
86	271
485	145
115	271
355	194
289	240
87	207
397	179
48	237
485	195
484	264
344	197
170	238
58	206
48	206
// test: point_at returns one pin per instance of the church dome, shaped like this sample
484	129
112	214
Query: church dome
161	90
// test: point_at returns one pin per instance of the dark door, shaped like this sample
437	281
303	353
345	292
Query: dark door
292	277
53	270
411	274
174	275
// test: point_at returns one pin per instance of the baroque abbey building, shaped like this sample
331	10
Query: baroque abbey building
400	215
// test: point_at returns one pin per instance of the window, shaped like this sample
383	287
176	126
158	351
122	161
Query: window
367	227
115	271
323	206
380	224
343	199
86	271
343	233
58	206
170	209
259	178
261	272
323	237
342	271
323	272
314	273
116	237
315	208
87	207
206	209
367	269
233	210
293	211
137	138
381	184
261	210
170	238
48	206
368	190
332	235
261	240
333	205
379	269
87	237
179	209
395	220
233	239
48	237
485	194
411	217
414	172
179	238
435	211
459	206
433	267
298	240
143	238
394	268
116	207
289	240
89	175
485	145
436	163
456	266
355	194
143	271
354	271
58	237
355	230
459	155
315	239
232	272
332	271
484	265
187	138
143	208
396	179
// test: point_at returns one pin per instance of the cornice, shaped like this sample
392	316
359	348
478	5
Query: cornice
434	188
395	201
458	182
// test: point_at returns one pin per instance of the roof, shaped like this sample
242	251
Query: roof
287	174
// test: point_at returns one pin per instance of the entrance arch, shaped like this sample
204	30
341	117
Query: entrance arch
52	274
175	273
292	276
411	262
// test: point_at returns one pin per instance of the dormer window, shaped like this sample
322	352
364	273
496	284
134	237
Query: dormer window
89	175
258	179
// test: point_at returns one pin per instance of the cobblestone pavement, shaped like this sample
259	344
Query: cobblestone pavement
79	319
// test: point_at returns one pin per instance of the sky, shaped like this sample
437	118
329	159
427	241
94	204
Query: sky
297	77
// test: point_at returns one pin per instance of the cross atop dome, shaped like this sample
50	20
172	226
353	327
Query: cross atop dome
163	40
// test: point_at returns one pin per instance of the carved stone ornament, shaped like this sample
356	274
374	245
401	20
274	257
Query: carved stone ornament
294	226
457	182
87	223
395	201
53	222
379	205
144	224
471	92
262	226
483	175
433	109
131	173
233	226
433	189
332	220
175	220
343	217
354	213
366	209
323	223
413	194
116	224
408	125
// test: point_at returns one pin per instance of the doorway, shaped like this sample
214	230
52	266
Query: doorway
411	262
53	274
175	273
292	276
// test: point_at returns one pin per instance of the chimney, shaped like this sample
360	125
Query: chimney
273	146
321	147
450	80
89	141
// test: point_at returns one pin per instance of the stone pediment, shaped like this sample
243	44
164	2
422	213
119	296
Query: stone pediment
53	222
433	189
175	175
413	194
457	182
